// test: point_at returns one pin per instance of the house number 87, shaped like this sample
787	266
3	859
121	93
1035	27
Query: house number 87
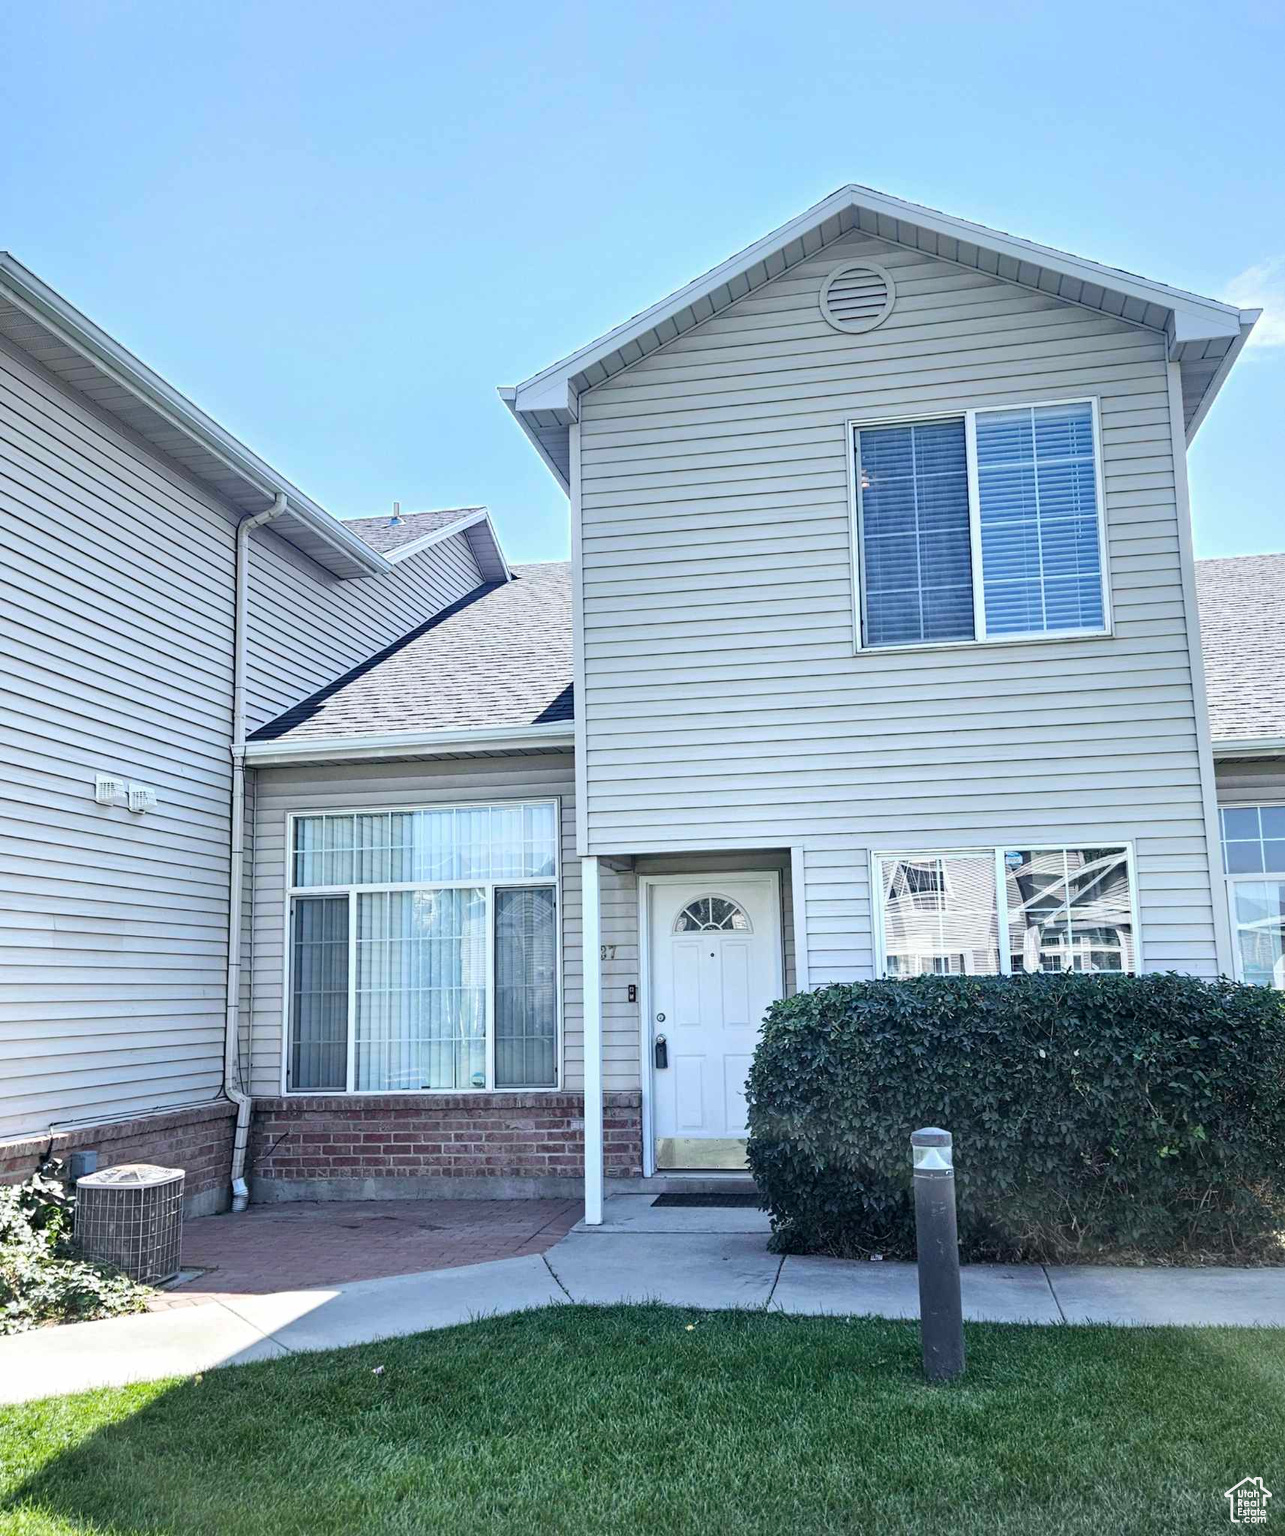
607	952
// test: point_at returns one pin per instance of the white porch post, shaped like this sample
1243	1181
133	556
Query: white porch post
592	961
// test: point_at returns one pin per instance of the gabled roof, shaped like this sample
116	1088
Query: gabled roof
388	533
1204	335
414	532
47	328
1242	633
499	661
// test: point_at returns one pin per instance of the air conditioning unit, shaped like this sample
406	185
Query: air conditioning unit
132	1216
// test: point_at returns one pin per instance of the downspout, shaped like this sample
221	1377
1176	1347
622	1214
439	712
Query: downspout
232	1086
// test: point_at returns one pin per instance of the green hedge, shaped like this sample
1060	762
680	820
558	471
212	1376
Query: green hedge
1092	1115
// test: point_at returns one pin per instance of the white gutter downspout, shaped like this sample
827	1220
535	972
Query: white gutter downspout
236	849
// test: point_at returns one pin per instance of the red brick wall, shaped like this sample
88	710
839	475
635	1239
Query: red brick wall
198	1140
498	1135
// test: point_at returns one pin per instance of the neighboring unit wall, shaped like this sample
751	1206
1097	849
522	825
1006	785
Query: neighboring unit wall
308	628
117	612
116	602
722	704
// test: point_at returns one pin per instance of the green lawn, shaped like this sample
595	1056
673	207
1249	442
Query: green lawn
647	1419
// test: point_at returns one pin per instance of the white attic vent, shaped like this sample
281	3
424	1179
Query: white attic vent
857	296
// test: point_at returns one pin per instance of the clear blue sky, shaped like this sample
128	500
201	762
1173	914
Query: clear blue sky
337	227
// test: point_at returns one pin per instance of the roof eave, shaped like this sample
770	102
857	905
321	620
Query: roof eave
1248	318
508	394
76	331
1194	315
387	746
1185	318
1249	746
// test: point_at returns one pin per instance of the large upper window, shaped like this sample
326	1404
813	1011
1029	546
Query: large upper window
424	950
1254	848
993	911
981	526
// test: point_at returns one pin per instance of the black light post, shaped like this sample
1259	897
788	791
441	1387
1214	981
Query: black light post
941	1316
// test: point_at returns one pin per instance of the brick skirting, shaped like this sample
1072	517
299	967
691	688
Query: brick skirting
197	1139
462	1137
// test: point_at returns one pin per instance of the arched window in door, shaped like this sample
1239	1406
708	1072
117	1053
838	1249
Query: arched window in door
712	914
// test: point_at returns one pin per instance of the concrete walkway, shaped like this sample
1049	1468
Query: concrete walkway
711	1258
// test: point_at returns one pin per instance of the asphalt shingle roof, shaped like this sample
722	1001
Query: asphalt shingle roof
382	534
1242	631
500	656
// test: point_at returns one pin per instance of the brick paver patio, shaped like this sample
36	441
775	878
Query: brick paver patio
296	1246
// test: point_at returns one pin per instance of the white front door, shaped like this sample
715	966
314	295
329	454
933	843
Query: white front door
714	951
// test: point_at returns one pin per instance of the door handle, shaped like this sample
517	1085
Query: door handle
661	1051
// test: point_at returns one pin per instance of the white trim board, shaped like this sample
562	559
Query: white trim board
399	744
479	517
1231	747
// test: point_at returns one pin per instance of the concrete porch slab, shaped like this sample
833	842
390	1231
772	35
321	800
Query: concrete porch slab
1096	1293
637	1213
716	1270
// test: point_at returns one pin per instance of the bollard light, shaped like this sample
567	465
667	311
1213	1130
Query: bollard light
941	1315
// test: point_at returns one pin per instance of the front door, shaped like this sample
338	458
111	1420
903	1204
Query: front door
715	965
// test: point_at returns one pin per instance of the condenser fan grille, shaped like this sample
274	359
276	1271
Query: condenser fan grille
132	1216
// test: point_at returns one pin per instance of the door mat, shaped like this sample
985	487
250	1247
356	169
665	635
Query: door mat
738	1202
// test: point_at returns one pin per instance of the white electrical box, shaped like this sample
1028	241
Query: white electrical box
141	799
109	790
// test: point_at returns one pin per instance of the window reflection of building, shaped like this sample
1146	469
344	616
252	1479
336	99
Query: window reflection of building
1063	909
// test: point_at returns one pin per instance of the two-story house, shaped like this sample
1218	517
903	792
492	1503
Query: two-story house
877	653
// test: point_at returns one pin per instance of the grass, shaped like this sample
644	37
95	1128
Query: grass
652	1419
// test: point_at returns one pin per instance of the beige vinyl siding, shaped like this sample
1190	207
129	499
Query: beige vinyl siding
116	605
723	705
1251	781
116	611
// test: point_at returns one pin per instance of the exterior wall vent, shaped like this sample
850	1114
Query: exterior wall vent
132	1216
857	296
141	799
109	790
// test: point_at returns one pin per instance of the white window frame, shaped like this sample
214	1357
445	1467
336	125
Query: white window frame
880	857
553	882
1232	881
968	416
